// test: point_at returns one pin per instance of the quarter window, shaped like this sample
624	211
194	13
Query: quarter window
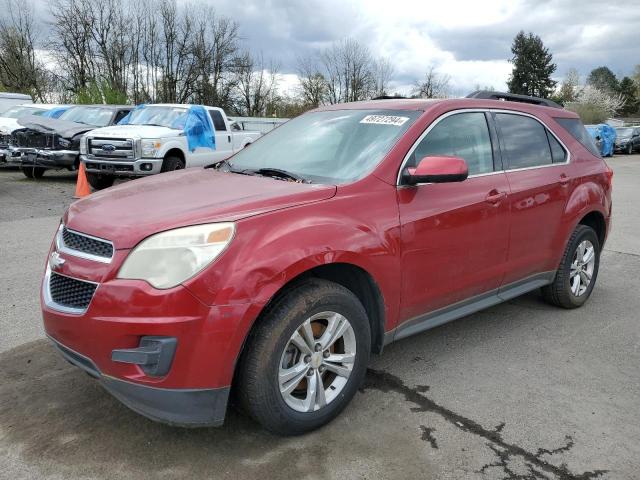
463	135
558	154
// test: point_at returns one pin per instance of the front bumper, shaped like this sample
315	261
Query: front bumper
180	407
135	168
31	157
11	157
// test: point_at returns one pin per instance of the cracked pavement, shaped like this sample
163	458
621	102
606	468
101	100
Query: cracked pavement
519	391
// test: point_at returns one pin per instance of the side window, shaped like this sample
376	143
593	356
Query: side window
558	154
463	135
120	115
218	121
525	141
575	127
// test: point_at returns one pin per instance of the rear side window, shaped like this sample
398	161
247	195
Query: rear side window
463	135
558	154
218	121
575	127
525	141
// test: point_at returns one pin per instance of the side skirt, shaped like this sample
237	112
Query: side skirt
467	307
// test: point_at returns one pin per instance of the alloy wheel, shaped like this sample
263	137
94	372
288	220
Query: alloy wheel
582	266
317	362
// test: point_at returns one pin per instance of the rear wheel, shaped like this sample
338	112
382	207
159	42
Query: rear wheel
33	172
629	149
99	181
578	270
306	358
172	163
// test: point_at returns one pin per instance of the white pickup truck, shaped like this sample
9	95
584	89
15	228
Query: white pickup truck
154	138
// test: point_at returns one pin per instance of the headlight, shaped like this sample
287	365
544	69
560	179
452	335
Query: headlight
83	145
150	147
169	258
64	143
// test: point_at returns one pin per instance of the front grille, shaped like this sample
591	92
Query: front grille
112	148
33	139
85	244
70	292
5	140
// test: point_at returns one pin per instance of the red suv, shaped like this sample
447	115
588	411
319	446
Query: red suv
280	271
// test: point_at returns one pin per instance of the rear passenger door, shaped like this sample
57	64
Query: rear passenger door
224	147
537	169
454	235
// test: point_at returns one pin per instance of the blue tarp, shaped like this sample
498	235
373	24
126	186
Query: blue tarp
605	137
56	111
195	124
198	129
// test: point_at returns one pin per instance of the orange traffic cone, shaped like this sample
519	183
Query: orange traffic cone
82	186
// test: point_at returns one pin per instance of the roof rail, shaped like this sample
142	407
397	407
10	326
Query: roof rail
388	97
512	97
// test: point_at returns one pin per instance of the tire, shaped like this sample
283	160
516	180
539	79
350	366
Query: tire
562	291
33	172
269	351
172	163
98	181
629	149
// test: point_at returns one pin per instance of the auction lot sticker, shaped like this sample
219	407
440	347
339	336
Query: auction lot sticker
384	120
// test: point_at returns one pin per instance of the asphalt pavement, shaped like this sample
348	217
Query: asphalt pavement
522	390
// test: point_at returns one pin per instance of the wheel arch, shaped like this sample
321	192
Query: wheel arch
595	219
175	152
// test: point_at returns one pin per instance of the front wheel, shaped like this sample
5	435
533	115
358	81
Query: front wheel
629	149
578	270
306	358
98	181
172	163
33	172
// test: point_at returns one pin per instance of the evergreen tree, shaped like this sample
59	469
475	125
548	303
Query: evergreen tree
628	89
603	79
532	67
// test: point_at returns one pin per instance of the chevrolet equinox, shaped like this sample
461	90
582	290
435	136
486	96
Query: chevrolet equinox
280	271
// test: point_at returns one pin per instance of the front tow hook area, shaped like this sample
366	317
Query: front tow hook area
154	355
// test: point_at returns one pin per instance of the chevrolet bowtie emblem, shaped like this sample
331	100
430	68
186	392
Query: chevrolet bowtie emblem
55	260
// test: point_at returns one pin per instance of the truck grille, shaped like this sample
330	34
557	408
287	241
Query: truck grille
33	139
4	141
112	148
69	292
85	244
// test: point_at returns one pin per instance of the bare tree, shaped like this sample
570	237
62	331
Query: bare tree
348	69
313	85
433	85
382	72
570	87
20	69
256	83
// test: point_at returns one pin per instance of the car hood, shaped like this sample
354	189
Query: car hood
136	131
130	212
63	128
8	125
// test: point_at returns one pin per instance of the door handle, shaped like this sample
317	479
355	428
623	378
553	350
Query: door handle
564	179
494	197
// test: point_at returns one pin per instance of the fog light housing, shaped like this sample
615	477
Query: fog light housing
146	167
154	355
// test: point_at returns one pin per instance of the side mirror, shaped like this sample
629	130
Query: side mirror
437	170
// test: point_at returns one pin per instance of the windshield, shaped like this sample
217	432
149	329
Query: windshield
17	112
96	116
171	117
624	132
328	147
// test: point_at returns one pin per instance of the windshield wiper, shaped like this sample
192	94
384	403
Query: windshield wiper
279	173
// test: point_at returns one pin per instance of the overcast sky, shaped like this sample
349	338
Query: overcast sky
468	40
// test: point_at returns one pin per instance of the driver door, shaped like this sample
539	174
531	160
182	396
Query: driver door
454	235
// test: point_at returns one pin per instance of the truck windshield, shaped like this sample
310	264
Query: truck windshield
17	112
624	132
96	116
328	147
162	116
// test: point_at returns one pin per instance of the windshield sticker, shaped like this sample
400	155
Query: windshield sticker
384	120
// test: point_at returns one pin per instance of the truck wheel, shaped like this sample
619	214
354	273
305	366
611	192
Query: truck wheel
305	359
33	172
629	149
99	181
172	163
578	270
